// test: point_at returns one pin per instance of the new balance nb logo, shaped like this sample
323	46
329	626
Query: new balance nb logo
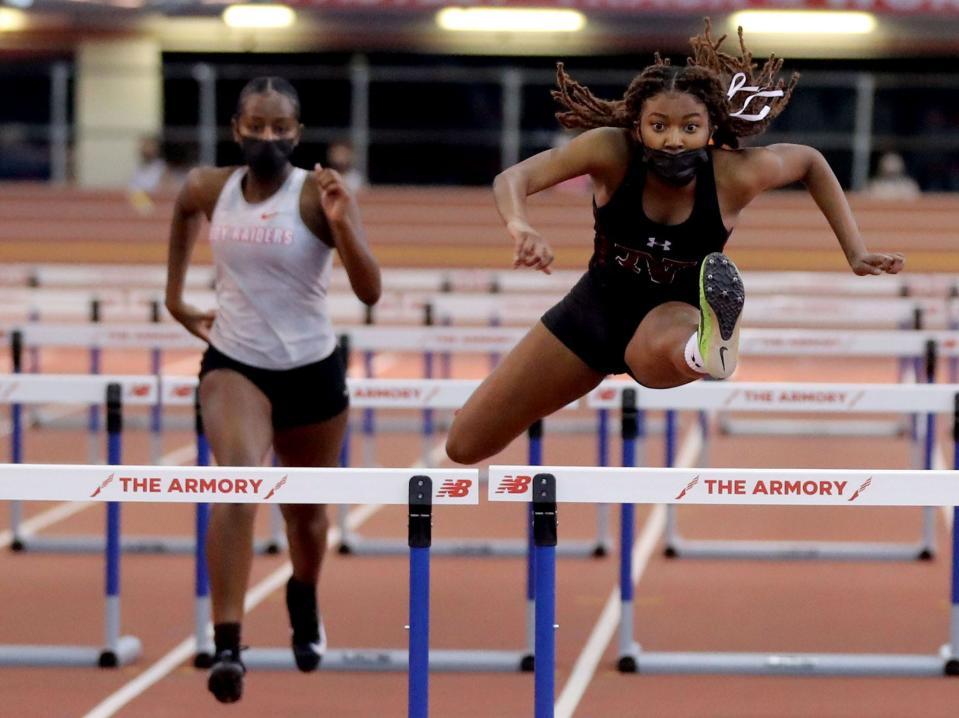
666	244
455	488
514	485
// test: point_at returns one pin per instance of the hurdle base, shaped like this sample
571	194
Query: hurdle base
128	651
388	660
798	550
354	545
171	545
785	664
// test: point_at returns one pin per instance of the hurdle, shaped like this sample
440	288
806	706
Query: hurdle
18	390
117	649
420	491
545	487
929	399
790	398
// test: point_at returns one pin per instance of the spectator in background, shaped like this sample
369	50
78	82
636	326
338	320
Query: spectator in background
154	174
339	157
891	180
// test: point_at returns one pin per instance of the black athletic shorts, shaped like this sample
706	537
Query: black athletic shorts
303	395
597	320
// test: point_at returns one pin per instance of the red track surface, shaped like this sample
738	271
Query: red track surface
478	603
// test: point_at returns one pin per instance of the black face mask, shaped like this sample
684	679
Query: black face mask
675	168
266	158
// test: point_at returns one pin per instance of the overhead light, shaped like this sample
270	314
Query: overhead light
259	16
804	22
496	19
11	19
19	3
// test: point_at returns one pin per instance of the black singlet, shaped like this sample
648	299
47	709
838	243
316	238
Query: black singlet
637	264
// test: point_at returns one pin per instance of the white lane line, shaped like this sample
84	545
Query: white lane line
68	509
605	628
185	650
43	520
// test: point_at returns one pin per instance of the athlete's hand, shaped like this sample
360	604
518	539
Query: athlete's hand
531	249
196	321
877	263
335	198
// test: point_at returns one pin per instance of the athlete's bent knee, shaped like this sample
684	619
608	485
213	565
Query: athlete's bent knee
463	451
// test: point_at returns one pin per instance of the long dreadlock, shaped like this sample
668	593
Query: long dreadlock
706	76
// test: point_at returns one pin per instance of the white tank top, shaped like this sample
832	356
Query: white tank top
272	274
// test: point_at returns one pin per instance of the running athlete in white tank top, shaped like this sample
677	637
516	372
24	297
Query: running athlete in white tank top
270	378
272	274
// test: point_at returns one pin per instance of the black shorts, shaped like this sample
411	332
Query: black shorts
597	320
303	395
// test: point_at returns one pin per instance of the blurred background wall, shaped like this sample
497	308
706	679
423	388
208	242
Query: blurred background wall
85	85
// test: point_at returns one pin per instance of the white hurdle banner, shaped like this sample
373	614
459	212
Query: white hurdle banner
783	487
67	482
785	397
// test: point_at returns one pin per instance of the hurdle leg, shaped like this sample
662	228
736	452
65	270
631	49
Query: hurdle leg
535	455
16	457
545	539
627	645
347	539
118	650
602	511
156	411
93	413
672	520
419	539
203	656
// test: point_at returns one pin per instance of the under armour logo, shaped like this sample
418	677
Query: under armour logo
653	243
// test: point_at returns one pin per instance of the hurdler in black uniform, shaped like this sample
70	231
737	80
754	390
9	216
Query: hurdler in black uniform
637	264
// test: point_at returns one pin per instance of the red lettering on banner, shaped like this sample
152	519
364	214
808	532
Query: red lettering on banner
183	390
607	394
514	484
140	390
775	487
727	486
455	488
140	485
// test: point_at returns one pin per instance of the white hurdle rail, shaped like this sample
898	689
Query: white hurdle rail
462	279
792	398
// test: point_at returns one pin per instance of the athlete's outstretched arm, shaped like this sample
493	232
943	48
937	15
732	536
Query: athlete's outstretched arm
782	164
596	152
188	213
346	227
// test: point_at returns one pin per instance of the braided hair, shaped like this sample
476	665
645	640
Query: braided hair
261	85
706	76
